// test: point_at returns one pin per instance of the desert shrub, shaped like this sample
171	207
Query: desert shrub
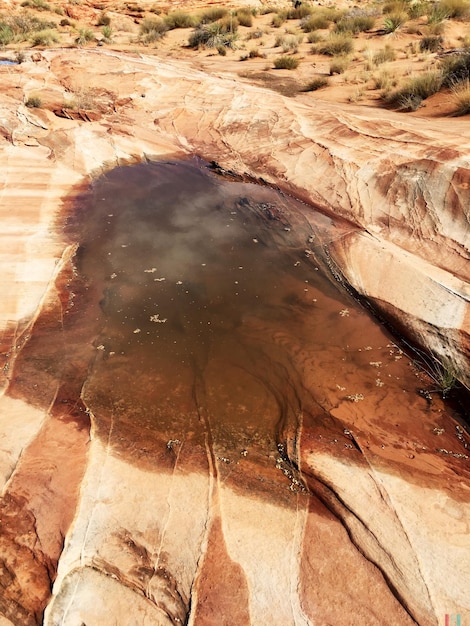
212	36
395	6
437	15
384	55
85	35
314	37
316	21
416	89
245	17
44	37
179	19
6	34
339	65
300	12
418	9
212	15
228	24
103	19
254	34
65	22
20	56
455	68
40	5
254	53
382	81
461	96
23	25
355	24
278	19
335	44
394	21
33	102
152	29
107	33
457	9
290	43
431	44
286	62
316	83
222	50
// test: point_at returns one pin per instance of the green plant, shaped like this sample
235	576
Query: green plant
85	35
461	97
382	80
180	19
107	33
44	38
335	44
384	55
316	83
394	21
6	34
291	43
286	62
212	36
416	89
33	102
152	29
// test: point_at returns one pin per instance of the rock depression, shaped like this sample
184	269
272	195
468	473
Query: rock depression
352	506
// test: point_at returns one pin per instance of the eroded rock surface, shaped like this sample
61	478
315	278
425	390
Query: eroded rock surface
357	510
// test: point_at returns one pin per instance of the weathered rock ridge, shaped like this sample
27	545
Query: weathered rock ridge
379	532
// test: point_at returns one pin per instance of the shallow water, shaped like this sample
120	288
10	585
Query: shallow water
202	324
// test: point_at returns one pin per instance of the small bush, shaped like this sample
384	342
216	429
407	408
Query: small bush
461	95
107	33
416	89
316	21
300	12
431	44
457	9
212	15
289	43
6	34
180	19
222	50
382	81
20	57
336	44
85	35
152	29
212	36
339	65
33	102
245	17
316	83
44	38
103	19
278	19
394	21
314	37
65	22
356	24
40	5
419	8
23	25
384	55
286	62
455	69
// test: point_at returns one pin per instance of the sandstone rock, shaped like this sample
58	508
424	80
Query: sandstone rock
379	531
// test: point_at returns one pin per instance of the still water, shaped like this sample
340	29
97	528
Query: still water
202	322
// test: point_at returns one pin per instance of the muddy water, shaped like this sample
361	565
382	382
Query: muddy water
207	327
203	291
